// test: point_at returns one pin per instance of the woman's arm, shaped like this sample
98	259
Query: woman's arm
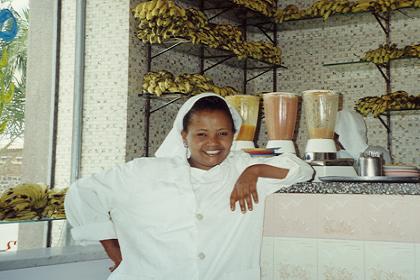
246	186
112	248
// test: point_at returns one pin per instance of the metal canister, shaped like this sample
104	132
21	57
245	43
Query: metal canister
370	165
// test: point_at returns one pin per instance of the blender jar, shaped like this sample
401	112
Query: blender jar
321	108
280	111
247	106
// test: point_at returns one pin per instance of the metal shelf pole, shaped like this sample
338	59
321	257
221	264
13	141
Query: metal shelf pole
245	67
385	23
147	103
201	8
388	81
275	29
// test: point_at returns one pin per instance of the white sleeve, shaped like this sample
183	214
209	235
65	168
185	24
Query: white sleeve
299	171
87	205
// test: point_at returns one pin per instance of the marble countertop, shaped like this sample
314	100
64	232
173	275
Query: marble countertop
354	188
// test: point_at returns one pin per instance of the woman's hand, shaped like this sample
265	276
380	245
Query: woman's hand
245	189
112	248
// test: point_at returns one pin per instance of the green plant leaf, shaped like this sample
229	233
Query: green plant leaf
3	126
4	58
9	95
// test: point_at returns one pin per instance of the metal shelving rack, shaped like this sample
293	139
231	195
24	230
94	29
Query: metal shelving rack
248	18
384	20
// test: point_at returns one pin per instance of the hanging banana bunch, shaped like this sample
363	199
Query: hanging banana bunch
265	7
162	20
412	51
162	82
376	105
326	8
383	54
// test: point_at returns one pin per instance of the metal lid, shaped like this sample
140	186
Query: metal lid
282	93
319	91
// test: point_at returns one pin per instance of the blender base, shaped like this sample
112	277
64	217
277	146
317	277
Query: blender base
242	144
321	171
286	146
320	146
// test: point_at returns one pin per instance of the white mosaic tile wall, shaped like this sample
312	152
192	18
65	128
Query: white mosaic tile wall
307	44
106	80
66	90
115	64
177	61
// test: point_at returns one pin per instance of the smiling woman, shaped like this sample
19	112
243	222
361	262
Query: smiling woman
194	231
208	132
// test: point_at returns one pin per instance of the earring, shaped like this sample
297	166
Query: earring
187	150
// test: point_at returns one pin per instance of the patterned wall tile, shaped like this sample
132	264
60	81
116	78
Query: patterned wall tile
394	261
340	216
293	215
295	259
390	219
350	217
340	260
417	261
267	257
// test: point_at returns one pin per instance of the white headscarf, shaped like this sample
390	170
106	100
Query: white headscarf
173	145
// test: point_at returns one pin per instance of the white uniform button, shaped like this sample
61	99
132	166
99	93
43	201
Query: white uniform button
201	256
199	216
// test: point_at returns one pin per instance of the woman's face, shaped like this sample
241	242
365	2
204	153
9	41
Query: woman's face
209	136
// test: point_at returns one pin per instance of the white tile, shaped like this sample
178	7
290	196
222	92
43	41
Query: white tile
295	259
389	260
267	258
340	259
417	260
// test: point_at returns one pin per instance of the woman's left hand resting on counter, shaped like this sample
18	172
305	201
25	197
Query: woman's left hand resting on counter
245	189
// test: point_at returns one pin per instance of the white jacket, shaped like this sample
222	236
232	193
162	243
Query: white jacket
174	222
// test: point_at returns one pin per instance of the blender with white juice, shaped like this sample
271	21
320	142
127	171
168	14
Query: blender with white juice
320	109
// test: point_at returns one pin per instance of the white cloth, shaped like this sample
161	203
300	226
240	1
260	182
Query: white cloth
173	146
351	130
166	230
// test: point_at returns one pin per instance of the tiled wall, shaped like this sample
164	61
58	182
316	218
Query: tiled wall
66	91
115	64
308	44
106	80
8	181
341	237
177	61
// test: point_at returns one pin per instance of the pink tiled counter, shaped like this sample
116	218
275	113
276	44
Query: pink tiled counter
341	236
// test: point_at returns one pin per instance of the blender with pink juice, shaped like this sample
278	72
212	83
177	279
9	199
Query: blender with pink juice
280	111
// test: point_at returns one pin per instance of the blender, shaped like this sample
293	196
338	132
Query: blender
321	107
280	111
247	106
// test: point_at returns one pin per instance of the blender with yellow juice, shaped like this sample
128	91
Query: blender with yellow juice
247	106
